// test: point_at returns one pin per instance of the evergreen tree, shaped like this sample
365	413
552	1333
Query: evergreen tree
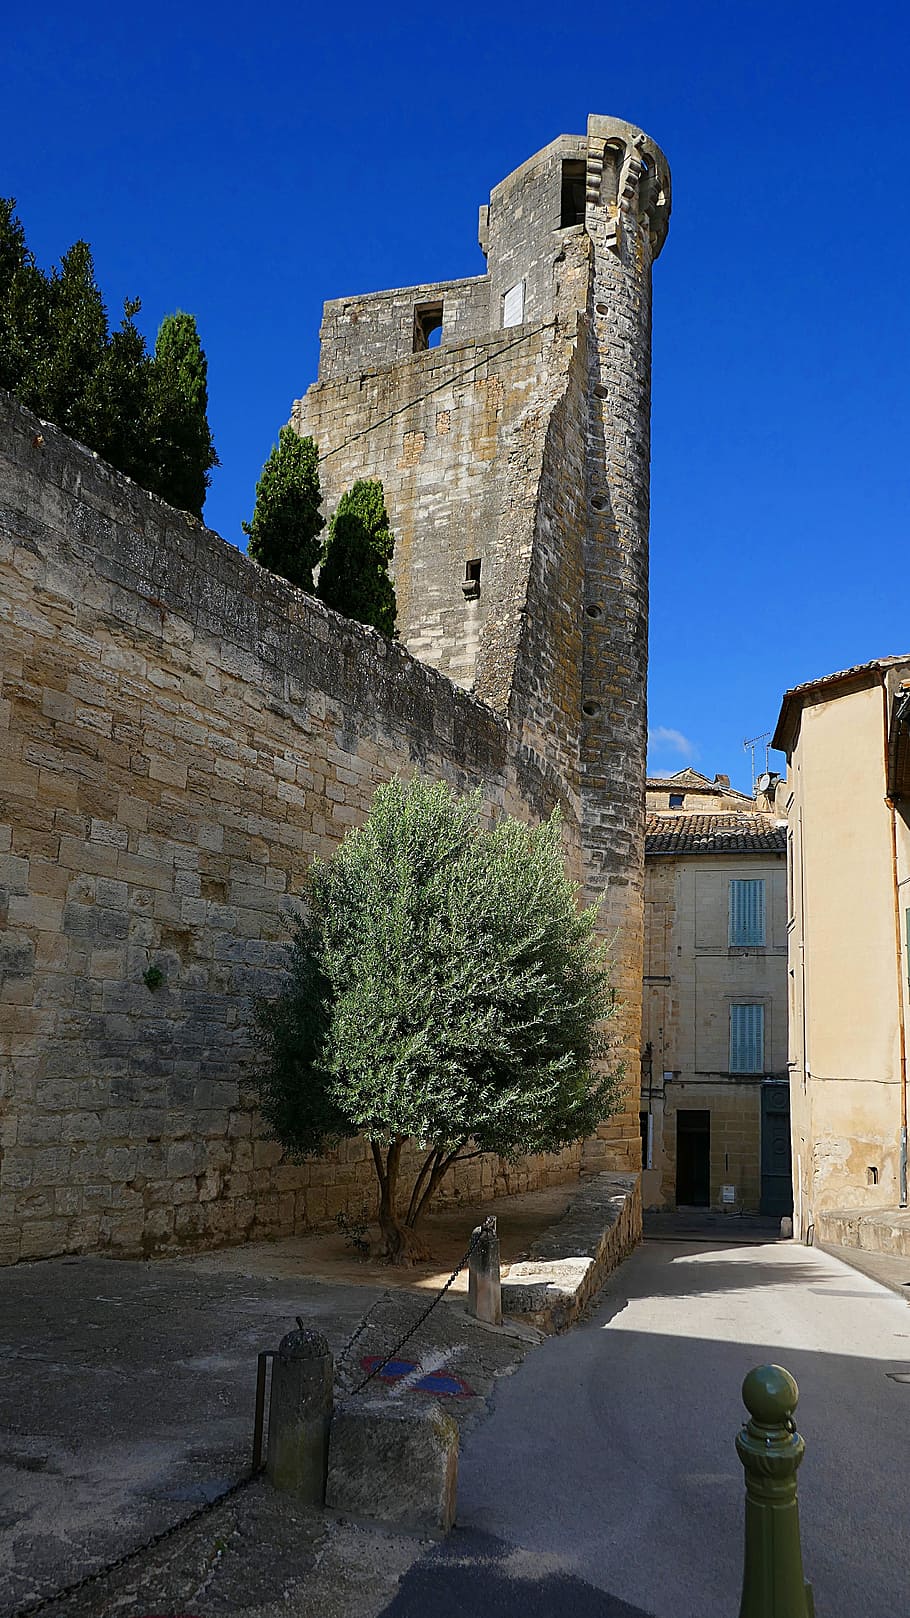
444	987
181	441
117	402
24	308
354	578
284	532
145	415
75	345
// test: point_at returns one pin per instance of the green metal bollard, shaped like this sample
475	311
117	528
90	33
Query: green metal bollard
771	1450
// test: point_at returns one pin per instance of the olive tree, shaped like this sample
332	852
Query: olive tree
445	988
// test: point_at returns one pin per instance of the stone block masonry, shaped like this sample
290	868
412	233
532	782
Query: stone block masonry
181	732
515	460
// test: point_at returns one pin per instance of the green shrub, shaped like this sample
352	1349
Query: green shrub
445	987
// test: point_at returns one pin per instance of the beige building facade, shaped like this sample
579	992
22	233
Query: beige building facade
847	742
714	1115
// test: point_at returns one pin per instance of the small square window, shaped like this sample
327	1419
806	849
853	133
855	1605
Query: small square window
572	195
427	326
677	799
471	582
513	305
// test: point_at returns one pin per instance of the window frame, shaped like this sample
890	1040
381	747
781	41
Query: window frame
734	914
747	1070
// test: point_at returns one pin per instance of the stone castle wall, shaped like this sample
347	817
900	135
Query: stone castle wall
185	731
181	733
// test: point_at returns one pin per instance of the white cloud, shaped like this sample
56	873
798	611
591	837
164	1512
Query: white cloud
663	736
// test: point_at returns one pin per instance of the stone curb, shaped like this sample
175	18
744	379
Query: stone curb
872	1230
571	1260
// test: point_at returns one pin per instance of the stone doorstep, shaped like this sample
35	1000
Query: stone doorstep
873	1230
570	1261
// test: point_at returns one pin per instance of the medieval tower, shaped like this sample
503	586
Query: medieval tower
508	416
182	731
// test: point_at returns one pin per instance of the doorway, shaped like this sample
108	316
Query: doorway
776	1181
693	1158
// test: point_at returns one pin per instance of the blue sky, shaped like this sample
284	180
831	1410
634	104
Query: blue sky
246	164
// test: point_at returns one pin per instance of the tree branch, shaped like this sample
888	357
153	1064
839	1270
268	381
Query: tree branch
439	1172
380	1169
424	1170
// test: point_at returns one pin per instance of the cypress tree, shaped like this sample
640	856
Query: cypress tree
284	532
75	346
354	578
117	402
24	308
144	414
181	442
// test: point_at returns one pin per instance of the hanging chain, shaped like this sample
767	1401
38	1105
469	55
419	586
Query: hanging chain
394	1352
68	1590
43	1602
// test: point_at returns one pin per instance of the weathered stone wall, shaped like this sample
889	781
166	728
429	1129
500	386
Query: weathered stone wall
446	430
376	328
186	731
181	733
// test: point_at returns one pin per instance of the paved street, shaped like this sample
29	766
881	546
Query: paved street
606	1483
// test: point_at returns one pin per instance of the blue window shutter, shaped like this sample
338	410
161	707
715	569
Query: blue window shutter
747	911
747	1038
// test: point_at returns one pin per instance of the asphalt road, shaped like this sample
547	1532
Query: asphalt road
606	1484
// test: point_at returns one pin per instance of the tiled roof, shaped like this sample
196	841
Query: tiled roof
714	834
878	665
689	780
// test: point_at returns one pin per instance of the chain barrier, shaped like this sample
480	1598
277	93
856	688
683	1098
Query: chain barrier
393	1353
43	1602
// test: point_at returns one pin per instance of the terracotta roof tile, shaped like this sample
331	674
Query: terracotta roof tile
878	665
714	834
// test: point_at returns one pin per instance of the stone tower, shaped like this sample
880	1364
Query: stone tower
508	416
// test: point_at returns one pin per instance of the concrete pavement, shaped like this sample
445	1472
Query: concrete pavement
606	1482
126	1401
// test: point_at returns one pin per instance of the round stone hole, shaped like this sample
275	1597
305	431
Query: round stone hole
594	609
601	309
599	502
590	708
600	391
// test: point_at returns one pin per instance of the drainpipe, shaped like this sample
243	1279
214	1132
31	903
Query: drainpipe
902	1034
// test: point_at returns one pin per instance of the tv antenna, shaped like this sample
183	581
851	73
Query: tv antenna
749	746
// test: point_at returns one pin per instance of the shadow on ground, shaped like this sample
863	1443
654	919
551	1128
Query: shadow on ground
477	1573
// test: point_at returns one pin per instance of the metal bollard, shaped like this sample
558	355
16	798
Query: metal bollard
484	1286
300	1415
771	1450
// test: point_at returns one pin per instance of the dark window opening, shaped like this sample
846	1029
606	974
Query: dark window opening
677	799
427	326
471	582
572	203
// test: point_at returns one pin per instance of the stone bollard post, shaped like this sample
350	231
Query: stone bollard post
771	1450
300	1415
484	1286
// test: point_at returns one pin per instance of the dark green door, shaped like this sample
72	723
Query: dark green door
776	1181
